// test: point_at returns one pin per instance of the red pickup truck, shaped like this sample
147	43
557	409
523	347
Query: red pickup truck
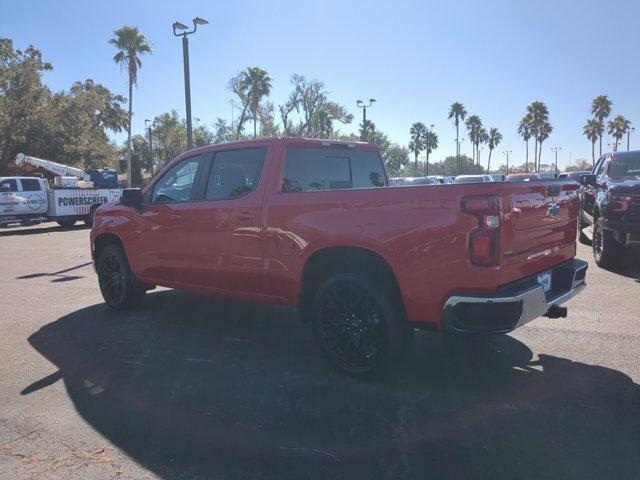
314	224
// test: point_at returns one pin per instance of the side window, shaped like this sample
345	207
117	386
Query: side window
308	170
598	166
234	173
11	183
30	185
177	183
602	167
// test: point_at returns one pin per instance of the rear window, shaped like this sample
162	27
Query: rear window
312	169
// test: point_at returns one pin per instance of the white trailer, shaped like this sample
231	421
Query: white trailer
31	200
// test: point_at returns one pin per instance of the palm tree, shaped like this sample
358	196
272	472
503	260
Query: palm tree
544	130
457	112
539	114
255	83
617	128
131	45
593	131
418	133
524	130
601	109
473	124
483	137
430	144
495	137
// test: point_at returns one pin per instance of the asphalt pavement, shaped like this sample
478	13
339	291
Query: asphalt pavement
188	387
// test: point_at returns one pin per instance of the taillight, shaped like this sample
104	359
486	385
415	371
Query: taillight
484	240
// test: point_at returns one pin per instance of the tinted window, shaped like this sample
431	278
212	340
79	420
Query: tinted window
624	167
30	185
234	173
11	183
177	183
311	169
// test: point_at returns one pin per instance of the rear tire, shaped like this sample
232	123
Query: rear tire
607	252
66	223
358	325
118	285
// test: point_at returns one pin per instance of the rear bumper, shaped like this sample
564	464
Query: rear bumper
515	304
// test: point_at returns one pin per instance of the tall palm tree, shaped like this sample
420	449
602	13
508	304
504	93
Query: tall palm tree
539	114
417	132
601	109
495	137
593	131
524	130
483	137
544	130
457	112
256	84
473	124
131	45
617	128
430	144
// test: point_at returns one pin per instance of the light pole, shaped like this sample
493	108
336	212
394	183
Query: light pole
149	127
556	149
460	156
364	107
184	31
628	134
507	153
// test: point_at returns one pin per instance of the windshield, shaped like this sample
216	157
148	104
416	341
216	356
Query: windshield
624	167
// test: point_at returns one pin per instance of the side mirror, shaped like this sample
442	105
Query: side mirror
5	188
131	197
588	179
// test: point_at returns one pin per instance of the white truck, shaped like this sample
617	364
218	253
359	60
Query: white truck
31	200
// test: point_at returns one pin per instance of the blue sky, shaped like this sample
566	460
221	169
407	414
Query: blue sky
415	58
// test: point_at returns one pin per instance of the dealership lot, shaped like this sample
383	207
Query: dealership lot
192	387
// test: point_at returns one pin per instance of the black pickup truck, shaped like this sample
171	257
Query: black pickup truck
610	207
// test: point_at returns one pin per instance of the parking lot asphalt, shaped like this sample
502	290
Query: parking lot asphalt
188	387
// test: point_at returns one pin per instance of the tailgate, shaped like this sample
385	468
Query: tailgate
539	227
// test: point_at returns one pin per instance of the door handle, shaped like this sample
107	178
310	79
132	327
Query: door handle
177	217
245	216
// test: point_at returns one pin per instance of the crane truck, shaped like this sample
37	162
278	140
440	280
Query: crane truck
72	196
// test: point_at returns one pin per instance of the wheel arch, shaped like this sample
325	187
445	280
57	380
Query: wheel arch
331	260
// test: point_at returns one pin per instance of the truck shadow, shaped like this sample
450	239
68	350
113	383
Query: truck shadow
196	386
59	276
50	228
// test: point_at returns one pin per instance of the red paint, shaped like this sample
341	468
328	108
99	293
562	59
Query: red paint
255	247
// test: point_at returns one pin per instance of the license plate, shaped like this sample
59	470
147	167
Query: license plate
544	279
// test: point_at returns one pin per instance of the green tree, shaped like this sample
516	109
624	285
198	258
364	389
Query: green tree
417	132
544	130
395	159
593	131
450	166
539	115
617	128
255	85
525	131
430	144
473	124
495	137
457	112
601	109
131	46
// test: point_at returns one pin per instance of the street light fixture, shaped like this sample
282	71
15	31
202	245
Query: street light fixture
507	153
181	30
364	107
632	129
556	149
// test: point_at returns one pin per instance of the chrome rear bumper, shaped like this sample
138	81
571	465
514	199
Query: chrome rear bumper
514	305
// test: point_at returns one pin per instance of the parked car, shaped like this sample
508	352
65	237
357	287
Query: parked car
420	181
610	207
575	176
309	223
396	181
522	177
497	178
472	179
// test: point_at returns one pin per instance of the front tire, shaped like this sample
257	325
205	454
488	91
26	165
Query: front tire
358	325
118	285
66	222
606	250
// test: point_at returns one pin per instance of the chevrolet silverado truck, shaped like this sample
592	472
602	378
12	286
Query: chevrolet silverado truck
312	224
610	207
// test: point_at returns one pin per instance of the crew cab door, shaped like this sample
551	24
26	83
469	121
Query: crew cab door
160	249
588	192
226	223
